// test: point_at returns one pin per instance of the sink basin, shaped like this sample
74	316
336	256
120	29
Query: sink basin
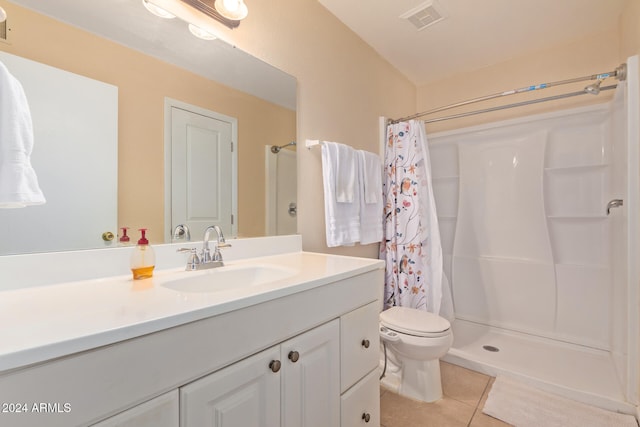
228	278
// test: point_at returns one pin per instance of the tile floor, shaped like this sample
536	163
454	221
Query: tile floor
465	392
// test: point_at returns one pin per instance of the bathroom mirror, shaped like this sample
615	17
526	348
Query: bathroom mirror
149	59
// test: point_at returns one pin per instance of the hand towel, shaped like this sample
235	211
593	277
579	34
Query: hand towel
371	207
18	181
345	173
342	220
371	168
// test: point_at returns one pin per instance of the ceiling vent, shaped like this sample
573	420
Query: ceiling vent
425	15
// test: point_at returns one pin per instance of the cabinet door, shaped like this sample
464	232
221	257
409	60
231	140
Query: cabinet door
311	378
359	343
159	412
361	403
245	394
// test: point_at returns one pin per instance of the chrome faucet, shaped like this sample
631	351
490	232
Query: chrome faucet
181	232
219	242
207	259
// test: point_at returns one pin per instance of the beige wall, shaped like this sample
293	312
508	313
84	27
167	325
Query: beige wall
143	82
630	30
343	87
594	54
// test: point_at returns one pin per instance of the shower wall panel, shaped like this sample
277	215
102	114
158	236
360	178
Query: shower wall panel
501	249
528	247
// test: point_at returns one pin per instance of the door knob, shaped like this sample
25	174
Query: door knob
365	343
294	356
366	417
107	236
275	365
615	203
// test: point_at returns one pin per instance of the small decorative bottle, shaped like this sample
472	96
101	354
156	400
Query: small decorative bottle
143	259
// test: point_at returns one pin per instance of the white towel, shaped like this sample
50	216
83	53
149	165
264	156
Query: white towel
18	182
345	173
371	168
342	220
371	207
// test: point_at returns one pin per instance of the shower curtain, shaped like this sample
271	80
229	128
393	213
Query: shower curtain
411	248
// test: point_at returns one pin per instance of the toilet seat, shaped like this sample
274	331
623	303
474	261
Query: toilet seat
415	322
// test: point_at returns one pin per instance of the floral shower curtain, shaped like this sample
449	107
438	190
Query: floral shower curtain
411	248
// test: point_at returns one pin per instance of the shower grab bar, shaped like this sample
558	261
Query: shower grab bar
615	203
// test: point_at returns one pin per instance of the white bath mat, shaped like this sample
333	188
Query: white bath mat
522	405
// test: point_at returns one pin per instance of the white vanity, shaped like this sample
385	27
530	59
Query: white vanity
297	347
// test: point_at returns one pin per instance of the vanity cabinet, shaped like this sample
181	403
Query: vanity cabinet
294	384
246	393
359	358
159	412
216	370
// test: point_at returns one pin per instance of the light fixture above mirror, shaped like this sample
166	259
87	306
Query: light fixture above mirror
235	10
200	33
226	12
158	11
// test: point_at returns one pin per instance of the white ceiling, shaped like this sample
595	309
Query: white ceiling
127	22
474	34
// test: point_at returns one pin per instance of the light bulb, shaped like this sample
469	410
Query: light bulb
3	14
158	11
232	9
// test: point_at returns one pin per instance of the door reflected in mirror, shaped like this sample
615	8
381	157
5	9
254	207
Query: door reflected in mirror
96	43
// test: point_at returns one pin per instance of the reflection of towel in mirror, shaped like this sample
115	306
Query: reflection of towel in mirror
342	219
18	182
371	207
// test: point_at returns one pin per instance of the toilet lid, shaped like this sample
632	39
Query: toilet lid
414	322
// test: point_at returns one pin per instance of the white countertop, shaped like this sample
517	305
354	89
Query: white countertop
41	323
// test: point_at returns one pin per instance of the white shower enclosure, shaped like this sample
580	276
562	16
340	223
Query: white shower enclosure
543	278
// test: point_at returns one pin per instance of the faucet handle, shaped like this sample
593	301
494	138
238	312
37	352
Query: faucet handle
193	261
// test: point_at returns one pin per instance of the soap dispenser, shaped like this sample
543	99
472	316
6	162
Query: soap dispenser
124	239
143	259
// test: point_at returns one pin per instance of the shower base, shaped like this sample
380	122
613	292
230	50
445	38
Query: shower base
581	373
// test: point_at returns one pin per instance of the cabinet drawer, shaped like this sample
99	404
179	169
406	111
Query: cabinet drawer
360	405
359	344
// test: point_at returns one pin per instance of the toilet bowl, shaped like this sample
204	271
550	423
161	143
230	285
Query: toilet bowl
416	340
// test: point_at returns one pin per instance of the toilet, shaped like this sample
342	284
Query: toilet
415	340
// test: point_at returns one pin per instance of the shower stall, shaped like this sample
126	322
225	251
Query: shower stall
539	226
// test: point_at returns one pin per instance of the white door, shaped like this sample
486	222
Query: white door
245	394
203	179
311	378
75	156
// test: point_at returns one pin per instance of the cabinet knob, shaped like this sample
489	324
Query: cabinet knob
275	365
294	356
365	343
366	417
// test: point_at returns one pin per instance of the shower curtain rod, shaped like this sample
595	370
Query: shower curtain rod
517	104
619	73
